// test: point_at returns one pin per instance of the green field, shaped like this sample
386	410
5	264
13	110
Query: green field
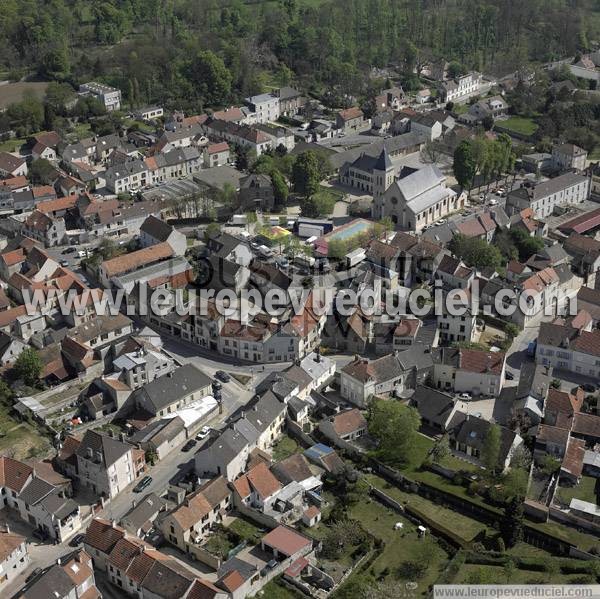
21	440
519	124
585	491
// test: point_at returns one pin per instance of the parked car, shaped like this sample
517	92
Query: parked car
509	376
493	202
143	484
64	263
189	445
464	396
38	534
222	376
70	250
33	574
77	540
588	387
204	432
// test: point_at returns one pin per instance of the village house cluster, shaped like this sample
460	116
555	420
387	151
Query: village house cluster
200	453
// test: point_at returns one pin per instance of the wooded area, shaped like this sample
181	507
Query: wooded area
194	53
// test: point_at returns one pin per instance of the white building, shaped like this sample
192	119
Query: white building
461	87
109	96
568	348
265	107
13	556
469	371
543	197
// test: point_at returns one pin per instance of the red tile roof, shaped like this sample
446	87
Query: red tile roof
286	541
582	223
134	260
102	535
351	113
474	360
14	474
348	422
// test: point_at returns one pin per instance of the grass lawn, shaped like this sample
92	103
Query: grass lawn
519	124
400	545
276	590
22	439
12	145
585	491
82	131
465	527
284	448
245	530
219	544
478	574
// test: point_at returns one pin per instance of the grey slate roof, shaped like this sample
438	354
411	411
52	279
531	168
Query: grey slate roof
54	583
112	449
156	228
35	491
169	388
138	516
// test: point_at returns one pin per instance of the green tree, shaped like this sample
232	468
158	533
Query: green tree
210	77
41	172
441	449
511	330
319	204
280	188
306	173
464	164
511	526
28	366
476	252
490	451
395	427
515	483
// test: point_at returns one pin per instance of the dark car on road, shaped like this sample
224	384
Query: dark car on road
33	574
222	376
142	484
77	540
189	445
509	376
588	387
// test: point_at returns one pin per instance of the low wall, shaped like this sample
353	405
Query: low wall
205	557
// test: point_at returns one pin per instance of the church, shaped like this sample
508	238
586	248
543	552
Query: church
413	199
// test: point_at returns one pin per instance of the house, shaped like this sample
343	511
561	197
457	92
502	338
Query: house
133	261
460	88
71	577
312	516
545	196
283	542
469	371
257	488
10	348
360	173
266	107
470	436
188	523
345	426
392	98
259	426
291	101
139	520
160	437
242	135
12	166
256	193
436	408
172	391
41	227
569	157
216	154
351	119
454	273
107	465
280	137
362	378
154	231
565	347
110	97
415	199
150	113
426	124
14	557
491	107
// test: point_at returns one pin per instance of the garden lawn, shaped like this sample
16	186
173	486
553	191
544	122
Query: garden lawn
245	530
284	448
585	491
463	526
276	590
519	124
400	545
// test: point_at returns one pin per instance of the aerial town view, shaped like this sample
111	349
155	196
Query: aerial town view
299	299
